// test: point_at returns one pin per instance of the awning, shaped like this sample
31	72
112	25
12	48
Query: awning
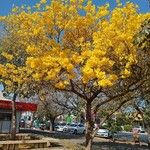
20	106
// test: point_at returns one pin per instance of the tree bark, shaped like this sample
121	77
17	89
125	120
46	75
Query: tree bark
13	119
89	126
31	125
52	120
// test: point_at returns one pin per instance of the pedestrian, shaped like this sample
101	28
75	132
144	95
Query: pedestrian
136	136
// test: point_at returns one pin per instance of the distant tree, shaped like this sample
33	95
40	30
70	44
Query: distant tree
54	103
50	110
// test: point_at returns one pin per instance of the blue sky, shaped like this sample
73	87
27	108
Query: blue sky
1	87
6	5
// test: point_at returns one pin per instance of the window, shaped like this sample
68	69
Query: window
5	117
80	125
73	125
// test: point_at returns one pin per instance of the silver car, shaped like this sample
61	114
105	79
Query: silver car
104	133
76	128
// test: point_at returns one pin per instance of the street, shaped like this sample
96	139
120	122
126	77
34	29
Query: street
124	140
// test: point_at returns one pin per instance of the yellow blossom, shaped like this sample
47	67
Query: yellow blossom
7	56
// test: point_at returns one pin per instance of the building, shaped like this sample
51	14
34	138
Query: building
6	113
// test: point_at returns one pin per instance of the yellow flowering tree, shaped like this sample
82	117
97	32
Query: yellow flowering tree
13	80
82	48
13	73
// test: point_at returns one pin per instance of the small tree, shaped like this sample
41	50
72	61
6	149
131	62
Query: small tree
13	73
49	108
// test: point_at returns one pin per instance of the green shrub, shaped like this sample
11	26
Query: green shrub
127	127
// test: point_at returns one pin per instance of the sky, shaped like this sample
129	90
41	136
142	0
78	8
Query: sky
6	5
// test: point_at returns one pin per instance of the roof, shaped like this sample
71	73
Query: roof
20	106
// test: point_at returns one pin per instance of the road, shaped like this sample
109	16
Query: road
122	136
128	136
53	134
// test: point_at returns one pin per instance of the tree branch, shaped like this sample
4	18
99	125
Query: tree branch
76	92
118	95
110	114
95	94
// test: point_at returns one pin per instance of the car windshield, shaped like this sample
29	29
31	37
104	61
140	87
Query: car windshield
103	130
73	125
62	124
81	125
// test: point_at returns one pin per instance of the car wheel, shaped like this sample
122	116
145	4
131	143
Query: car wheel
75	132
84	132
64	130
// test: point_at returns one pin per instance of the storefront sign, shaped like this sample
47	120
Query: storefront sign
21	106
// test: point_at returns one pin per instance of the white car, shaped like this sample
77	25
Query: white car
76	128
104	133
61	127
139	130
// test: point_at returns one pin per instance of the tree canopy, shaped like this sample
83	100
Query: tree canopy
91	50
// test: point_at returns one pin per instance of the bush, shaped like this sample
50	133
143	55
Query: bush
127	127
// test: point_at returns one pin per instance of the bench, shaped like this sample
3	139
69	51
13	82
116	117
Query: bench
15	145
4	137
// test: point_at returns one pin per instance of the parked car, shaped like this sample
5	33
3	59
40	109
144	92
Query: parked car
104	133
61	127
76	128
42	126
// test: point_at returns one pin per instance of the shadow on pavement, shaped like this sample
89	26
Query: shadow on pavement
54	134
117	146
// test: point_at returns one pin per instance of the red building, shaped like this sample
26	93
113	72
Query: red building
6	113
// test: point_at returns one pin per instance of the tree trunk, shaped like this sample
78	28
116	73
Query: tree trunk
89	127
13	120
52	120
31	125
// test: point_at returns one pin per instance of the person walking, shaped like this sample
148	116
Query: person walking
136	136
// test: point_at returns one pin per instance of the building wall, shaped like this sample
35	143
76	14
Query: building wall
5	121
